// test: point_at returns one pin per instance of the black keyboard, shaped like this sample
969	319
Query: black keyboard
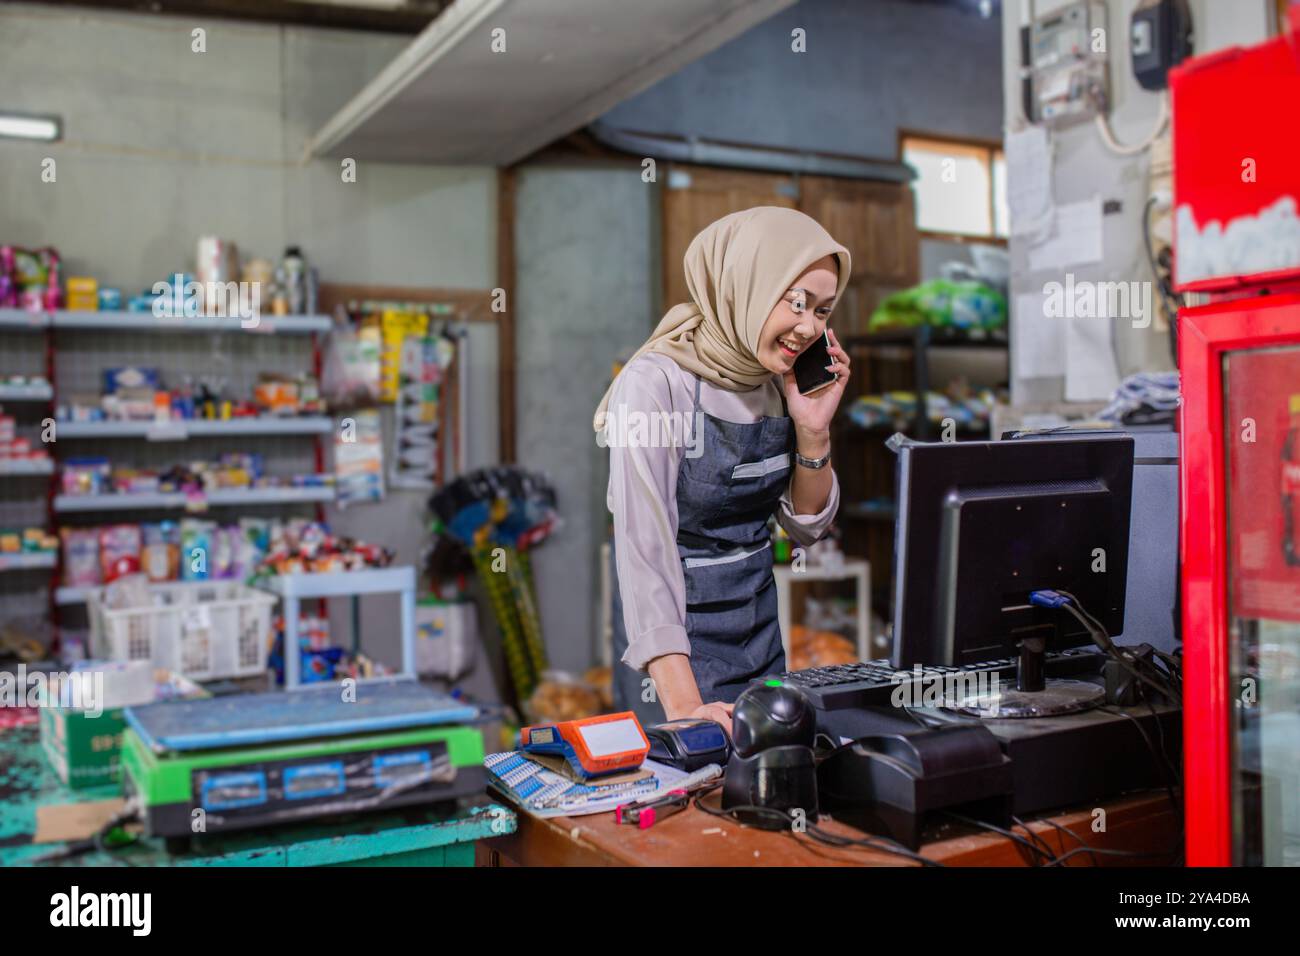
874	683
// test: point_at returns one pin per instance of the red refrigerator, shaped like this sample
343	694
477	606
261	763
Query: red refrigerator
1237	241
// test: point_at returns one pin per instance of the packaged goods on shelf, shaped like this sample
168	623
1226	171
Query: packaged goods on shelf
897	409
233	470
82	294
966	305
140	394
319	659
24	381
28	541
29	279
308	546
119	551
160	551
359	463
81	567
189	550
396	325
14	447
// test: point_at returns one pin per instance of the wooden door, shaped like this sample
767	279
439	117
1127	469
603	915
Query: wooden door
698	195
875	221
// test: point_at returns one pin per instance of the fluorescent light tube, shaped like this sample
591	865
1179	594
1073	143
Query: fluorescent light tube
19	126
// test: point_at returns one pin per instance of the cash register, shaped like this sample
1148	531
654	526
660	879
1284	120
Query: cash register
1010	586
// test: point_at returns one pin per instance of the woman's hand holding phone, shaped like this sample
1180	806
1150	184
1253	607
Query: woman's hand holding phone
812	414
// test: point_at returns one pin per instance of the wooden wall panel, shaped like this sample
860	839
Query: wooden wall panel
875	221
695	196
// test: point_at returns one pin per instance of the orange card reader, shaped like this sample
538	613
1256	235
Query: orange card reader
592	746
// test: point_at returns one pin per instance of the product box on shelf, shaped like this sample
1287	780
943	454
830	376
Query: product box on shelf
446	635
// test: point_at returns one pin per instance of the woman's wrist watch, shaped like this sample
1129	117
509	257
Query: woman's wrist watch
814	463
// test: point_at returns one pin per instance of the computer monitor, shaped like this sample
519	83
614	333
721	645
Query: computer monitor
983	524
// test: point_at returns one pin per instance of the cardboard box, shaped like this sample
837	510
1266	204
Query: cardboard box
85	750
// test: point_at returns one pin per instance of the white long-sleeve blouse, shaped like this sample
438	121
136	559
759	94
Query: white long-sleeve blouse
650	432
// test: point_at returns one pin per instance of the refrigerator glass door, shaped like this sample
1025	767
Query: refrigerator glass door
1261	432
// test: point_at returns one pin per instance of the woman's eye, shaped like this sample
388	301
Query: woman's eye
823	313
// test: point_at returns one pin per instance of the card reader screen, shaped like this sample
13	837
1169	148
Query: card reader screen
611	737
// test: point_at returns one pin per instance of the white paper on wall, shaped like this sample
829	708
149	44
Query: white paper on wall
1029	181
1037	340
1075	238
1090	372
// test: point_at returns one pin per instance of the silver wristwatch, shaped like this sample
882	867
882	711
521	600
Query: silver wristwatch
814	463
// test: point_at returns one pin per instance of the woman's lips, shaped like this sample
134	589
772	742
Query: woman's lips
786	350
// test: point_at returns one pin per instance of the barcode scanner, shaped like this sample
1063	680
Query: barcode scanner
772	774
772	714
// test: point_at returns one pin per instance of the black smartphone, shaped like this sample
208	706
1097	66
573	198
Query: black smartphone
810	373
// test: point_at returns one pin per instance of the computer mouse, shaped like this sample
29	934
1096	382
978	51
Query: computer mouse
771	715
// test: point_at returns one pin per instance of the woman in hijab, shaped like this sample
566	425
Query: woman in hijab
709	437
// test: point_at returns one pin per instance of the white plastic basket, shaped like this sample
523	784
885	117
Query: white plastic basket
205	630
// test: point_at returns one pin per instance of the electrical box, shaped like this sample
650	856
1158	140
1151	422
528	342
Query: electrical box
1064	64
1160	37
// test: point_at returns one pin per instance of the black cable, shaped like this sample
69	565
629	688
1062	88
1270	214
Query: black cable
1175	774
1171	304
1060	860
825	837
1160	757
1082	842
972	822
1032	835
1120	655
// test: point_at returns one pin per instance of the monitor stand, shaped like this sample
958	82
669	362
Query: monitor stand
1033	695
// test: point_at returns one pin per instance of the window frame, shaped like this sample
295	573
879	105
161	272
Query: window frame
991	150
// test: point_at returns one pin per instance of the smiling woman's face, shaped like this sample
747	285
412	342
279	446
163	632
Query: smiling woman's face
800	317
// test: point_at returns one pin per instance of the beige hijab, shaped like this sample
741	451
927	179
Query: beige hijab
737	269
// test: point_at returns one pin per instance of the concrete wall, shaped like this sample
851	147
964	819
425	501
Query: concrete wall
163	145
1084	167
872	67
585	247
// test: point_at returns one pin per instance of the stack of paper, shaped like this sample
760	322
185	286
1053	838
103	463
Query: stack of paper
545	792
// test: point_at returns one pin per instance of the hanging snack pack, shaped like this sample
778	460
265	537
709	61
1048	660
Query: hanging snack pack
498	515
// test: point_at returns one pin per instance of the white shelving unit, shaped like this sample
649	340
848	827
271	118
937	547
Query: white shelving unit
26	393
183	429
850	569
294	588
66	596
20	466
23	320
148	322
21	561
220	497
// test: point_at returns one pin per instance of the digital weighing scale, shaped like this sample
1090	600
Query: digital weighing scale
231	763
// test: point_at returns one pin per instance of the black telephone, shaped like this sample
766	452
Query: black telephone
810	373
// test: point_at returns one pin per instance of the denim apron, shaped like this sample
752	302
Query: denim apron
725	497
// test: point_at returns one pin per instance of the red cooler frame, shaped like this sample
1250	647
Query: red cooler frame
1206	335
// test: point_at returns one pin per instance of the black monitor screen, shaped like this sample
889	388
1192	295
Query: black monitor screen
982	524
